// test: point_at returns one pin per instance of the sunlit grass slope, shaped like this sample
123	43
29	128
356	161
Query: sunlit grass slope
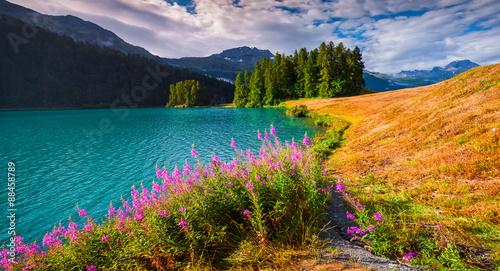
429	154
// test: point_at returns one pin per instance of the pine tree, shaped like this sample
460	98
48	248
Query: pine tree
311	75
359	66
239	93
270	81
300	70
325	62
256	87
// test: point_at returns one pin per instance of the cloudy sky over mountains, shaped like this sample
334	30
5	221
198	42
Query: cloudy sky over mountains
394	35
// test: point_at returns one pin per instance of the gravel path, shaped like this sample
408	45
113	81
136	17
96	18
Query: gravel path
353	251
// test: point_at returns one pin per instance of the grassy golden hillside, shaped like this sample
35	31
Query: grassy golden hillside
435	148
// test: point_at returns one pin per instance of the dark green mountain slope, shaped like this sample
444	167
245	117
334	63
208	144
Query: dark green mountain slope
53	71
73	27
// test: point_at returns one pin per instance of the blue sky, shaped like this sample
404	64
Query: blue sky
394	35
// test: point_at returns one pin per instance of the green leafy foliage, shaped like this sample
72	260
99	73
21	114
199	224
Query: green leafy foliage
188	93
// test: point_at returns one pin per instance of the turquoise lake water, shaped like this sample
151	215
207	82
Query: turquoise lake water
92	157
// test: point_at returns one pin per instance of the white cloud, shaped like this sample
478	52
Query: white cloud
424	34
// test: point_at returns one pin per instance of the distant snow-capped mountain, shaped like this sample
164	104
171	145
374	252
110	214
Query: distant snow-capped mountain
438	74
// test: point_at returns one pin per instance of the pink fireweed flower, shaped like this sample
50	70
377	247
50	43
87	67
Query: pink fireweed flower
88	227
137	204
229	184
176	174
92	268
60	230
350	216
186	170
294	145
159	173
360	207
33	249
250	186
355	231
194	152
257	177
122	214
340	188
378	216
139	217
324	172
82	213
233	144
272	131
156	187
134	194
305	141
182	209
247	213
163	213
111	211
183	224
215	159
266	136
73	226
105	238
153	196
259	136
372	228
410	255
438	227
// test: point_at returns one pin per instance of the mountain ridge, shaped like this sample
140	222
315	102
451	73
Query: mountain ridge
438	72
225	65
408	79
74	27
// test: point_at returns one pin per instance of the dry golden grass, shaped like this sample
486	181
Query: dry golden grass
437	145
291	259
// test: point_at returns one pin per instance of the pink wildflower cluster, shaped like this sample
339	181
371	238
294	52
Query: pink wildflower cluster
171	195
357	232
410	255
